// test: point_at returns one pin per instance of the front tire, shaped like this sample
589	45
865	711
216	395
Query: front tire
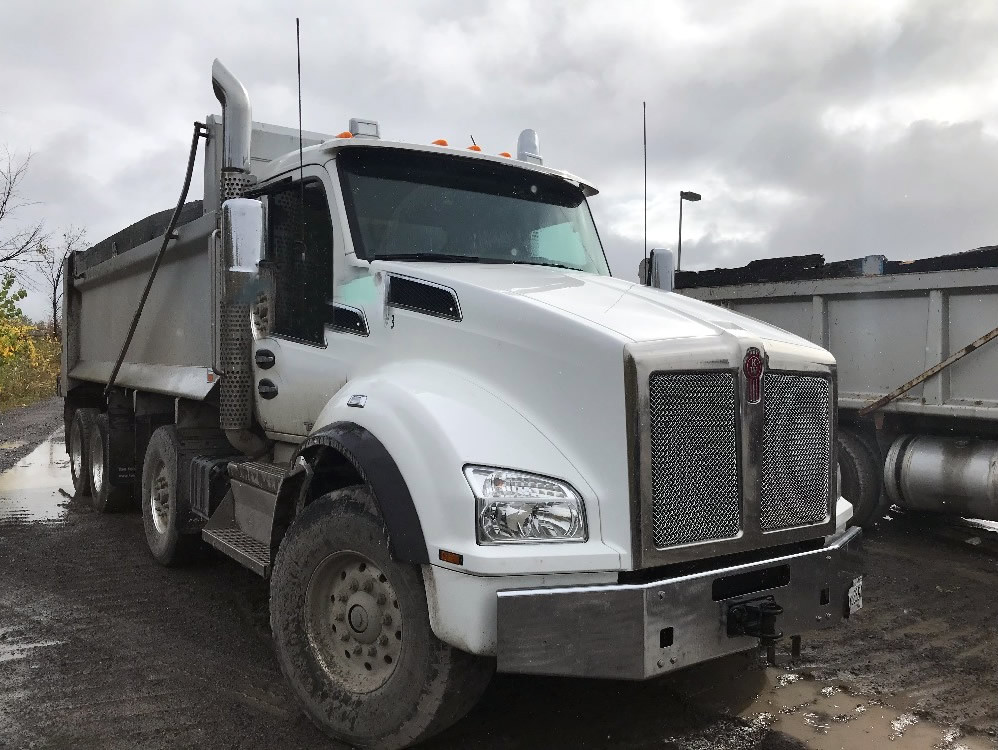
353	633
164	512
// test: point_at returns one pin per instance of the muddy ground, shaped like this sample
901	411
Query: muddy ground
102	648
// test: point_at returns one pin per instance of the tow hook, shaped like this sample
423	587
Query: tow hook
757	619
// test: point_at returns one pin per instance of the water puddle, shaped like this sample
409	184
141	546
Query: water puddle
30	490
826	716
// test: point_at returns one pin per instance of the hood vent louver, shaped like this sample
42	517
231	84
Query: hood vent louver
423	297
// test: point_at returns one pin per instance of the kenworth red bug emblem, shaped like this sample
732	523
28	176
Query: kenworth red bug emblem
752	366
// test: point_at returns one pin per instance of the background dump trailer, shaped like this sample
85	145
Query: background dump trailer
918	395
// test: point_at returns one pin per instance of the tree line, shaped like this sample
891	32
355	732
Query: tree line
30	258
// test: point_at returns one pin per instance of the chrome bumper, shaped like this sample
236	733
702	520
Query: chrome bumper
641	631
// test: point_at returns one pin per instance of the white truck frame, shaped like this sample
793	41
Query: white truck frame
447	467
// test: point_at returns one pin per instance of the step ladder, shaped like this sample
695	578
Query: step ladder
241	526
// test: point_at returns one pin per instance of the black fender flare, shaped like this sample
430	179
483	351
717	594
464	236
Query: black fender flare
378	469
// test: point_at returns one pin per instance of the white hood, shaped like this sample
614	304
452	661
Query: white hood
630	310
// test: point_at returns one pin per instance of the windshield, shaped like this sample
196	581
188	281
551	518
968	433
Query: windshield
406	205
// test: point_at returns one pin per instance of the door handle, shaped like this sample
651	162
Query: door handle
267	389
264	359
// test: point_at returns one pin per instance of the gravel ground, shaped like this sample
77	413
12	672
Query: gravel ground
21	429
102	648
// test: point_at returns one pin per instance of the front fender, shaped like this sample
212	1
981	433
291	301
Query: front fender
433	421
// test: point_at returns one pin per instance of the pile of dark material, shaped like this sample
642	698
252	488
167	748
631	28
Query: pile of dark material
137	234
804	267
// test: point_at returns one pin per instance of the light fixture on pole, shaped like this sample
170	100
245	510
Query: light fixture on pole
684	195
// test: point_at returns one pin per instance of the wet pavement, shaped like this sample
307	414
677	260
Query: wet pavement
102	648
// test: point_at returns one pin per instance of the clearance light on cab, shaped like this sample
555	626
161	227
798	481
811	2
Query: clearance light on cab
515	507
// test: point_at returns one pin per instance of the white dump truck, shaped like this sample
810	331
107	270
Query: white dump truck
399	381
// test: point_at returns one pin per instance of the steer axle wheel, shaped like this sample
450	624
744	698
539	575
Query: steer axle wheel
353	633
354	622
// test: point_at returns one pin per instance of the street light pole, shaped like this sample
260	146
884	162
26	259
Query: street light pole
684	195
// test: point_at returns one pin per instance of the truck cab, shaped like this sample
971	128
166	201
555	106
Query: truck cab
454	442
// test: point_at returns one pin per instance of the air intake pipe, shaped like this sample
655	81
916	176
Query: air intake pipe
237	129
944	475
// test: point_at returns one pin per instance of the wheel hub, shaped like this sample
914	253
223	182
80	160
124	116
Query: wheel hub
97	461
75	450
354	622
159	500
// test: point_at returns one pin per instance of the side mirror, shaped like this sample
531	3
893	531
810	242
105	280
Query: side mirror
658	270
243	234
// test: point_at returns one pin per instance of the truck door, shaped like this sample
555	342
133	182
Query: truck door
295	373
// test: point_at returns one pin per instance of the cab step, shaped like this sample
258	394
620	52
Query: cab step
241	547
242	525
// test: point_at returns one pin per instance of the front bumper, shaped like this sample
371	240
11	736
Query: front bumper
641	631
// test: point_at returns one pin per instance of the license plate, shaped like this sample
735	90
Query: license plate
855	595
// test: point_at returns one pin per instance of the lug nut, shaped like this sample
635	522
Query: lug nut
383	640
345	637
339	617
387	620
358	650
382	599
353	584
372	651
369	586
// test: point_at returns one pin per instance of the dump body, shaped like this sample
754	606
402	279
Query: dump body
885	330
175	349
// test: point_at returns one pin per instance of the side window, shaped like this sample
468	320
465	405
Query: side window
300	250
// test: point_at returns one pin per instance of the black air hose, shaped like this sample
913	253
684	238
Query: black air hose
200	131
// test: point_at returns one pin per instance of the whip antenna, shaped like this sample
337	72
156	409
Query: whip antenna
644	132
301	143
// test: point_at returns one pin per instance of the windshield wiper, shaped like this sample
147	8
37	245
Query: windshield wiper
454	258
541	263
438	258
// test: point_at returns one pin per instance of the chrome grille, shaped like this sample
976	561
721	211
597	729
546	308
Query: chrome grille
694	457
796	450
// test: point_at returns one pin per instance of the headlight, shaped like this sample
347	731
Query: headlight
516	507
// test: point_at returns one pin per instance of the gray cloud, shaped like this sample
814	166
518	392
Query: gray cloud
844	128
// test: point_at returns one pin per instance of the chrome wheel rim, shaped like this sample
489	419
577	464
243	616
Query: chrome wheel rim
96	461
353	622
75	450
159	500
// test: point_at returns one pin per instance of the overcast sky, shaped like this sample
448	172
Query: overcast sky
840	127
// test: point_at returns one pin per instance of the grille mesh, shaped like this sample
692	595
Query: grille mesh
796	450
694	464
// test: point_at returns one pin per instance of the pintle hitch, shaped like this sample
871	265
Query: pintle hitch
757	619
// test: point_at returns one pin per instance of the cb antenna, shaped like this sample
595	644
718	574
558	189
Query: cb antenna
301	143
644	133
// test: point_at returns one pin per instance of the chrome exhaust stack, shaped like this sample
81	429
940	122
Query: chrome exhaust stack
237	129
